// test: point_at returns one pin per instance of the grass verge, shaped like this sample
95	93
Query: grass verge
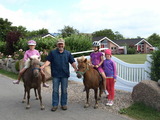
133	58
140	111
8	74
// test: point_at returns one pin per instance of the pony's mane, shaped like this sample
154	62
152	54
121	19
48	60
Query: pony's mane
82	59
28	63
35	57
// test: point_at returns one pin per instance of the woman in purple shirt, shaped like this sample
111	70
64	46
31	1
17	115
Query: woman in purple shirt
31	53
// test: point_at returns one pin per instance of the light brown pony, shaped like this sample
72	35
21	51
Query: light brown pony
32	79
91	79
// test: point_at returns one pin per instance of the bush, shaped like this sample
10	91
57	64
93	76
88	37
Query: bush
42	44
77	43
2	46
131	50
17	65
155	65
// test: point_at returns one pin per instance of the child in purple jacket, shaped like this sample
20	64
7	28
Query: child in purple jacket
110	71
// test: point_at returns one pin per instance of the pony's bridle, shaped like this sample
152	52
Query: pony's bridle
36	68
82	73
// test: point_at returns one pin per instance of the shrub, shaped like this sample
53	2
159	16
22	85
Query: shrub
42	43
2	46
131	50
155	65
11	40
77	43
17	65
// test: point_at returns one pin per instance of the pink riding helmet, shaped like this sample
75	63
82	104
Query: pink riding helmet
108	52
31	42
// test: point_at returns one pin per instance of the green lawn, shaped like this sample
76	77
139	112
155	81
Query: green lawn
133	59
139	111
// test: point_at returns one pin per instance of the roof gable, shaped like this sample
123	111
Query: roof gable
48	35
100	39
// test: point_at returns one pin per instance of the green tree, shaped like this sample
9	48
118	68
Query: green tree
68	31
154	40
37	32
155	65
21	29
106	32
118	36
77	43
5	27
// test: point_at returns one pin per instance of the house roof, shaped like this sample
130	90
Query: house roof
48	35
104	38
128	41
97	38
131	41
122	42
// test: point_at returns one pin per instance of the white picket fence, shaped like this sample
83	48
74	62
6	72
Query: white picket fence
128	75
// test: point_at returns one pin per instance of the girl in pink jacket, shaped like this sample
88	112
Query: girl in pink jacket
31	53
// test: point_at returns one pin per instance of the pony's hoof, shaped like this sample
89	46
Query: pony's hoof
86	105
42	108
96	106
23	101
37	99
28	107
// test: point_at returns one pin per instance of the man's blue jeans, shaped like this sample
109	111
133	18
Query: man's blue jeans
55	93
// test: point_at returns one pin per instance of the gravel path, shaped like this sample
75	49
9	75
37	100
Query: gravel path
75	95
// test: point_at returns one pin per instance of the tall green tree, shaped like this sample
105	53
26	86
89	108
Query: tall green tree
37	32
5	27
106	32
21	29
154	40
67	31
118	36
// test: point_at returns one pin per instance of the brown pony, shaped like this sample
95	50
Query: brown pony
32	79
91	79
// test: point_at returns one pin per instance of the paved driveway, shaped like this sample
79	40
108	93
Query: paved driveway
11	107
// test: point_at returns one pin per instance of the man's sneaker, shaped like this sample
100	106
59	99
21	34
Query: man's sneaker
64	107
45	85
106	92
111	103
16	82
54	108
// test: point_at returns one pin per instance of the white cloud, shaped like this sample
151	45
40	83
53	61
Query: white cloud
130	18
48	19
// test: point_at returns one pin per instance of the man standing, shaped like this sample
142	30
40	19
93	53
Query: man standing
59	60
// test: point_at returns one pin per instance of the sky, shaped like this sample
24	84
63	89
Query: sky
131	18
